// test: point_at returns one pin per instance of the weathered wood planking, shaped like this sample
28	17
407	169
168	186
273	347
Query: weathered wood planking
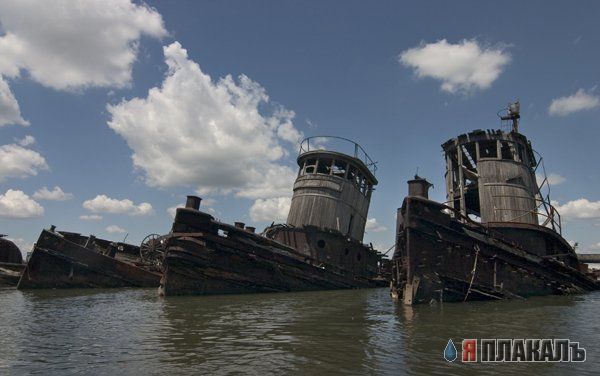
490	174
329	201
501	201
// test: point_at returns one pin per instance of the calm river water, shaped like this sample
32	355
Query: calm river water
134	332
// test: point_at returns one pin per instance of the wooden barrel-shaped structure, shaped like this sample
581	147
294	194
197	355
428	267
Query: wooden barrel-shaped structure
333	189
490	174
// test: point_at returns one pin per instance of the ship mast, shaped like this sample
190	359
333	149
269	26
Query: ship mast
514	114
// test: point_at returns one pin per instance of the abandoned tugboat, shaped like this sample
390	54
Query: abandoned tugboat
320	247
70	260
11	262
496	237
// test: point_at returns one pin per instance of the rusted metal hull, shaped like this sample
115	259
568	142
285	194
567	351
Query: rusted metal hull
439	258
10	273
206	257
58	261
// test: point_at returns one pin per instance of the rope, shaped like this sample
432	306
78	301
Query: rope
472	272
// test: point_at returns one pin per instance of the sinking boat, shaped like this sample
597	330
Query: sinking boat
63	259
319	247
496	237
11	263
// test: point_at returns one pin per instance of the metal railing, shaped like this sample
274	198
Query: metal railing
345	146
549	211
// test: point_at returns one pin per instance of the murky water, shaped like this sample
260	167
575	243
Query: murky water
134	332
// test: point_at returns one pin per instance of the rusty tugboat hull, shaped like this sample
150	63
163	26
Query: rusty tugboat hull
207	257
69	260
441	259
318	248
498	237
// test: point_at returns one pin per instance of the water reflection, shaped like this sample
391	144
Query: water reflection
283	332
428	329
134	332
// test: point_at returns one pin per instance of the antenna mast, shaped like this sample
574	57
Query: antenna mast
514	114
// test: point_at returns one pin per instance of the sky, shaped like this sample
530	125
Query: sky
112	111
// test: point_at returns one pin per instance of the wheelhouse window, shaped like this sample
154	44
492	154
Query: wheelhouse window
339	169
521	152
488	149
310	166
506	150
352	174
324	166
363	185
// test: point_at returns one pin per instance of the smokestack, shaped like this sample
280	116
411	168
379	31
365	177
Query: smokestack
193	202
239	224
251	229
419	187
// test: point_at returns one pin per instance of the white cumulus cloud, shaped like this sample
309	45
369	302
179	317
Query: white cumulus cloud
373	226
15	204
272	209
90	217
579	209
213	136
553	179
173	210
114	229
579	101
19	162
105	204
461	67
10	112
68	45
27	140
56	194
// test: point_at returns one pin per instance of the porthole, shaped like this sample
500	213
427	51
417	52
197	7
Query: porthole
321	243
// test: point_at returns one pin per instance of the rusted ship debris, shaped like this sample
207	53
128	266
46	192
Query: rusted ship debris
320	247
496	237
70	260
11	262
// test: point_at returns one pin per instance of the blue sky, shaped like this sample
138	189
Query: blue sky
132	102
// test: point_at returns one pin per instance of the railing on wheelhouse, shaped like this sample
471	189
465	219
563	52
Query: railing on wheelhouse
338	144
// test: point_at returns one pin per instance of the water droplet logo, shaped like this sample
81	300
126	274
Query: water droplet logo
450	353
